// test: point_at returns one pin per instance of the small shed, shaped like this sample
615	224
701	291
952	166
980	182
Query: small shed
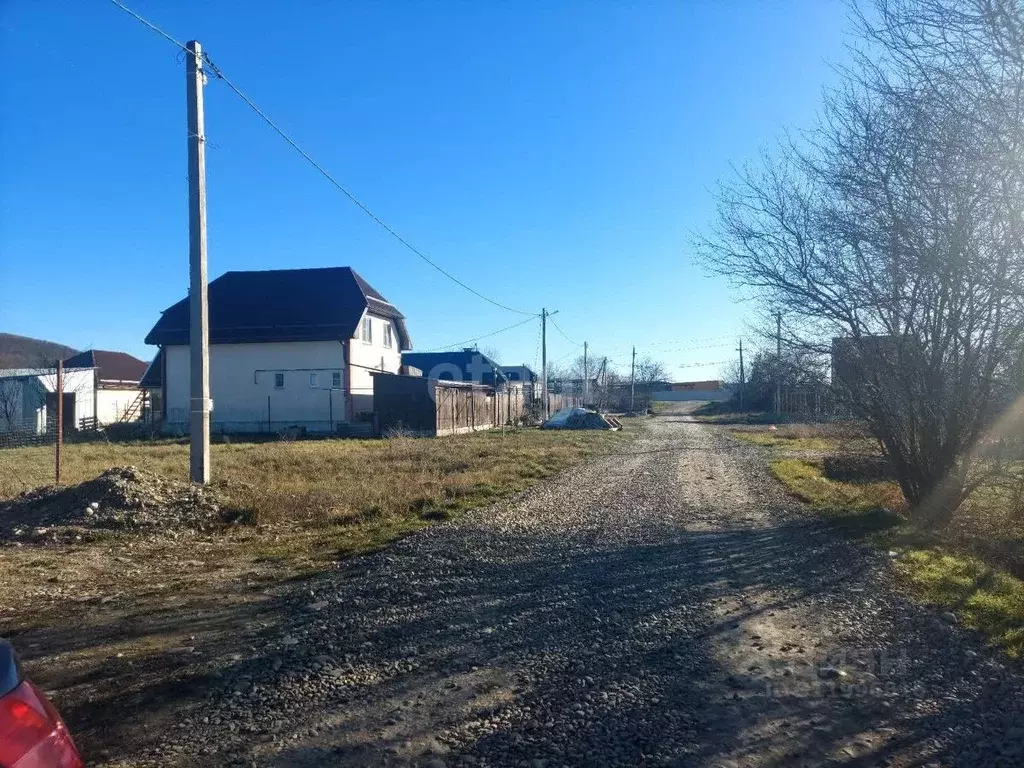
433	408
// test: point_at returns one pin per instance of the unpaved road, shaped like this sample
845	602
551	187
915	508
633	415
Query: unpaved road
668	606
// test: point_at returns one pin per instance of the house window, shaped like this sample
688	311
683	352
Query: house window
278	381
336	380
388	335
312	380
367	331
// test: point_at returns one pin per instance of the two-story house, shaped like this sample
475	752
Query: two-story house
288	348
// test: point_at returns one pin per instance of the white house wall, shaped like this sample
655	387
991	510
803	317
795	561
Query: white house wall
242	386
373	355
111	404
32	388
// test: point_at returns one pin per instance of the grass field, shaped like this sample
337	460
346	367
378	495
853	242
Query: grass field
118	611
323	498
972	568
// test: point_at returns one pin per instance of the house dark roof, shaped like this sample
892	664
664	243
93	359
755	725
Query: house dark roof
518	373
153	378
282	305
466	365
113	367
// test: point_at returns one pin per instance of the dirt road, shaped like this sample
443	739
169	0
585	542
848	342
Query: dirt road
668	606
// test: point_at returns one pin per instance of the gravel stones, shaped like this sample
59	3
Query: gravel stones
667	605
120	499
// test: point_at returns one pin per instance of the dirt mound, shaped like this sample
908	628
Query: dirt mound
120	499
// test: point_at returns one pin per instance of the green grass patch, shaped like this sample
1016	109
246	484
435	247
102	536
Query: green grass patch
985	598
806	480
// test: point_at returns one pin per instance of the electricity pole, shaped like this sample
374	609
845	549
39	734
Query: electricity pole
778	362
632	377
586	381
544	359
743	383
60	418
199	334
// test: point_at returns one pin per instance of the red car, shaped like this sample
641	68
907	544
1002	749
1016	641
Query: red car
32	735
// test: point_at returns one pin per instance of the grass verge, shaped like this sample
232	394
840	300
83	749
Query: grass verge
948	569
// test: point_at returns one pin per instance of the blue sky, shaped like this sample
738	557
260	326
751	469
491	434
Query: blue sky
549	154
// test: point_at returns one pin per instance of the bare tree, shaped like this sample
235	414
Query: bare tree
649	374
10	404
895	227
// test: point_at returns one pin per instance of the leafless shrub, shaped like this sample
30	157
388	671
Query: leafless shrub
895	226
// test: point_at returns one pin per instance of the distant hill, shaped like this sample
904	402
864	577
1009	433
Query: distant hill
23	352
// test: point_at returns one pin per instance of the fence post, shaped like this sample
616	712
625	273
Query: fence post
269	428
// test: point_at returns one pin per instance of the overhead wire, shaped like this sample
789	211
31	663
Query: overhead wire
149	24
218	73
562	357
564	336
484	336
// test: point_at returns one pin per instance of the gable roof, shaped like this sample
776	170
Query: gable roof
465	365
518	373
153	378
114	367
323	304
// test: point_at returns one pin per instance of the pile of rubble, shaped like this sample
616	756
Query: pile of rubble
121	499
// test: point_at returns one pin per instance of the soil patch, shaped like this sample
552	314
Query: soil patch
121	499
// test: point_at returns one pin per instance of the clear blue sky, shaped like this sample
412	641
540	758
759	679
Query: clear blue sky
549	154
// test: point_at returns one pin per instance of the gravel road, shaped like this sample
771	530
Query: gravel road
666	606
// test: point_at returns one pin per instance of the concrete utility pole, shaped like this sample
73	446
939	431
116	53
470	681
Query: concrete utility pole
544	359
778	362
199	333
743	383
586	379
60	419
632	381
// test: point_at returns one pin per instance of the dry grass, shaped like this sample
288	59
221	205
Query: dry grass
325	497
810	438
101	625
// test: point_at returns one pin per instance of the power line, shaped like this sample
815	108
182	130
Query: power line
219	74
694	340
485	336
564	336
667	350
149	24
362	206
704	365
558	359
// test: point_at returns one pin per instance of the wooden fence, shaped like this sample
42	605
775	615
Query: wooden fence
430	407
813	404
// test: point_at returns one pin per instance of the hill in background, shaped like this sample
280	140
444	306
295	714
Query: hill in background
23	352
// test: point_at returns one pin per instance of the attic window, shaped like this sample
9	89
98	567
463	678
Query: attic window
388	336
278	381
313	381
336	380
367	331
